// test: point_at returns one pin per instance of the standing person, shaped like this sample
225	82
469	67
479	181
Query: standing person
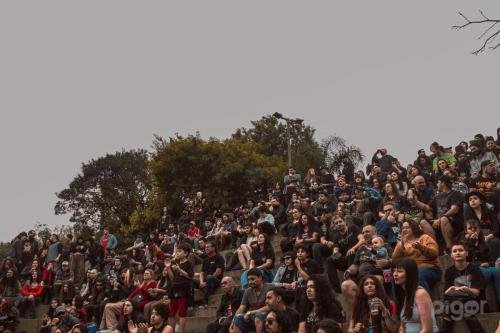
291	181
229	304
463	283
181	272
413	302
317	304
373	309
385	160
54	251
108	241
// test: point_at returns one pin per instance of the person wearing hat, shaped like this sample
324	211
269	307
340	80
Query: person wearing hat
251	313
64	320
287	276
448	210
63	275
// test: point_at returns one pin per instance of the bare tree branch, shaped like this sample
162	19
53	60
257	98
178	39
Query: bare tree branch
488	33
486	43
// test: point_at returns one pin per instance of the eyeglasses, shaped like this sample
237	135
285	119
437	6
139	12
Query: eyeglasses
388	210
224	282
286	258
270	321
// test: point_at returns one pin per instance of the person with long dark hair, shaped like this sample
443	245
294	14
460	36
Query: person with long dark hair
373	309
327	326
413	302
130	313
488	221
263	257
277	322
423	249
318	303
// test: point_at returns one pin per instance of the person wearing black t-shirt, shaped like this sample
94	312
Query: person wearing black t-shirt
181	273
344	241
211	273
463	283
305	266
448	207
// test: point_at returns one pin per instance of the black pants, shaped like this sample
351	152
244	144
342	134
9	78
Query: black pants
332	267
215	327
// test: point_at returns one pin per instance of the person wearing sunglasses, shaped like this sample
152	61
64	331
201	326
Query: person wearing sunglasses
277	322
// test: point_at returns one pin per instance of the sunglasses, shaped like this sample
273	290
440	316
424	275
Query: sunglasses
269	321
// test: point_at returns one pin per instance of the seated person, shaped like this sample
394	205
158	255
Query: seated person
463	283
423	249
251	312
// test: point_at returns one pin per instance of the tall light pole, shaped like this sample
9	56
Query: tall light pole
289	121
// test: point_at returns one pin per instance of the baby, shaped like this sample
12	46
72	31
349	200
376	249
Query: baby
379	248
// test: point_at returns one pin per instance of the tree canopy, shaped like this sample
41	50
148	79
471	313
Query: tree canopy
127	191
107	191
226	171
271	135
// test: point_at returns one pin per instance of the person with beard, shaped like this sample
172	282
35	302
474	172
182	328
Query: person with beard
339	249
276	301
250	314
479	157
423	161
488	183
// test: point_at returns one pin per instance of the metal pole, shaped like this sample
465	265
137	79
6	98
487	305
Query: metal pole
289	144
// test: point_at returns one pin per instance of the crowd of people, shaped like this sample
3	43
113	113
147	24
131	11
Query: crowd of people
375	237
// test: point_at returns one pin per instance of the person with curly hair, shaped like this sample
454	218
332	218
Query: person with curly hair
317	303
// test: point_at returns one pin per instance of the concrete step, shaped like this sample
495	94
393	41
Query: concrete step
28	325
198	324
209	311
41	309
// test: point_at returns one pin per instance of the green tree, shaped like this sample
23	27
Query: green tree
226	171
271	135
107	191
336	149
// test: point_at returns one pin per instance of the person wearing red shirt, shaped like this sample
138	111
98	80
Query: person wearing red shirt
32	292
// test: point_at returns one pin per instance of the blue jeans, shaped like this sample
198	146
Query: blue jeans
247	326
492	273
428	277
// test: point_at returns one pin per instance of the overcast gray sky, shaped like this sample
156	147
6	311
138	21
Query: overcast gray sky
81	79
